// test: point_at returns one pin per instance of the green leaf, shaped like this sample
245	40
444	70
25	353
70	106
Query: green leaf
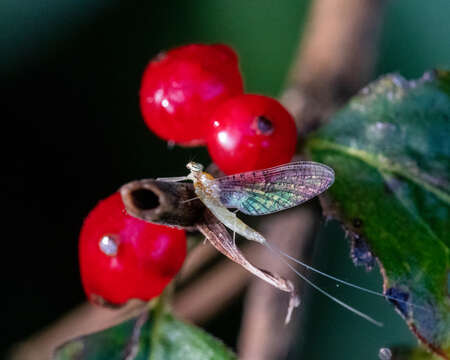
114	343
161	338
390	149
178	340
406	353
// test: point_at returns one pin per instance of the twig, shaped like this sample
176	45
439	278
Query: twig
335	60
132	347
163	202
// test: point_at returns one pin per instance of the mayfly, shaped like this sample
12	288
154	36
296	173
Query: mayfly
264	192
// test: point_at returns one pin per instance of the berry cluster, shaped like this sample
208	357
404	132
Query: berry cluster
193	95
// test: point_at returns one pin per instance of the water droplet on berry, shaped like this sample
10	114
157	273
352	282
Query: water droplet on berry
385	354
109	245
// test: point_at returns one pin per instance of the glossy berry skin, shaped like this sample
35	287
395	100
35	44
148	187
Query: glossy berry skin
251	132
122	257
182	87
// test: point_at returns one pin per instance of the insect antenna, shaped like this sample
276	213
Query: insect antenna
360	288
303	277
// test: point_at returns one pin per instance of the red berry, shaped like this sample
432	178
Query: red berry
251	132
182	87
122	257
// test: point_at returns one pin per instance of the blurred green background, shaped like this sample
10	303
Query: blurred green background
70	74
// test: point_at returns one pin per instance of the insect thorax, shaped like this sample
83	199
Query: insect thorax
205	186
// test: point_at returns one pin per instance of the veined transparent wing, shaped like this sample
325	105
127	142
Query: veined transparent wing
270	190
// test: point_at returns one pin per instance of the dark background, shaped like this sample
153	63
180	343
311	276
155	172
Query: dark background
72	134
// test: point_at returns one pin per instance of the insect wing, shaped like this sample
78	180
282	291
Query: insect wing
270	190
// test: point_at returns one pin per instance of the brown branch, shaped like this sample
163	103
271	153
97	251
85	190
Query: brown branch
335	60
162	202
132	347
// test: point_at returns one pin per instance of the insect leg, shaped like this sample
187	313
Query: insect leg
234	226
188	200
173	179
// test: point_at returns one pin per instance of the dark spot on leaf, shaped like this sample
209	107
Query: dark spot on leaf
401	306
264	125
357	222
387	189
360	252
